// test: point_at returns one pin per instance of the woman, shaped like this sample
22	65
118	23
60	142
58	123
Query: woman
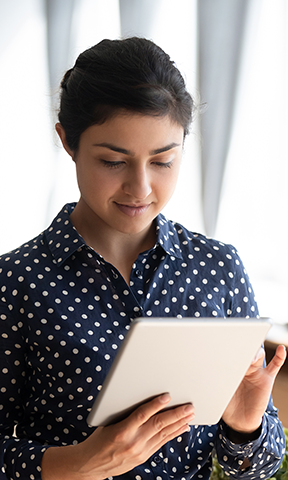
69	296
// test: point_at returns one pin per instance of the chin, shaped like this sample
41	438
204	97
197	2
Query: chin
131	229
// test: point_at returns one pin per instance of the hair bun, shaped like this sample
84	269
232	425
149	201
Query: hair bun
66	78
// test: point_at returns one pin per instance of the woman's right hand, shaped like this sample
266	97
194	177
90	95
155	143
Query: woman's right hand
118	448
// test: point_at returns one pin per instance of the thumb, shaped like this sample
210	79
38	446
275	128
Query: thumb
277	361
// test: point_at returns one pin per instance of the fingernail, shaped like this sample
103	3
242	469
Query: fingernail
186	428
189	408
258	354
165	398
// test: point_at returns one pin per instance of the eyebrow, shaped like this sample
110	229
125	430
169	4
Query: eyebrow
114	148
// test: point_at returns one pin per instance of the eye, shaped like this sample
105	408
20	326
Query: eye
110	164
164	164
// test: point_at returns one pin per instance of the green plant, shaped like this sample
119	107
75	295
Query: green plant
280	474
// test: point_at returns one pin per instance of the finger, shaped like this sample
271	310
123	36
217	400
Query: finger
164	437
277	361
162	427
257	362
166	426
259	357
172	419
143	413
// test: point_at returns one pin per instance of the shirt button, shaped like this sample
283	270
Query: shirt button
157	459
138	273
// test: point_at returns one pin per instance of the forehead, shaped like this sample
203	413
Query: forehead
131	129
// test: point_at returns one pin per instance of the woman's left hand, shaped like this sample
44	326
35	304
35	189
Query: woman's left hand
245	411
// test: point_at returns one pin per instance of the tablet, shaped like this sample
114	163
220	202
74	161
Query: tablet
201	361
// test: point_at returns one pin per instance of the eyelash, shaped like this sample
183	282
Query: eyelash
118	164
164	165
111	164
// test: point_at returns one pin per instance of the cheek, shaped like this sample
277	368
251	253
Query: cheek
171	180
166	187
94	183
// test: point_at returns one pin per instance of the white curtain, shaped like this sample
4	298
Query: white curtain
221	37
253	211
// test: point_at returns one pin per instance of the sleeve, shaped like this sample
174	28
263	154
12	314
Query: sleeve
242	297
19	457
262	457
257	459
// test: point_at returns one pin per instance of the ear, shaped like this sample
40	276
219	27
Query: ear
62	135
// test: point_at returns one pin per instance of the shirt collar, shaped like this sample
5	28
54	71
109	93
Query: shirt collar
64	240
167	236
62	237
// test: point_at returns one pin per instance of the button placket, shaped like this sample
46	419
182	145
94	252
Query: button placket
138	273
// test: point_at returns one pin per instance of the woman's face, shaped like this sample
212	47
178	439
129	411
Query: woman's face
127	169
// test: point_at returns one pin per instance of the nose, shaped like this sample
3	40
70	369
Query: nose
138	184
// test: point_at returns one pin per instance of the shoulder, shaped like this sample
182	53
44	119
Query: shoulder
199	245
205	255
41	247
23	254
218	265
18	270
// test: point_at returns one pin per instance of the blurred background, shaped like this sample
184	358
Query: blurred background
233	55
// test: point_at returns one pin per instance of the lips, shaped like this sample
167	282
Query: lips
132	210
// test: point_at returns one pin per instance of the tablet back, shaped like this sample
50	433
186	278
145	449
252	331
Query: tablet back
200	361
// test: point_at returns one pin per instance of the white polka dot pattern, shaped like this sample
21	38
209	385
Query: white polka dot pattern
64	312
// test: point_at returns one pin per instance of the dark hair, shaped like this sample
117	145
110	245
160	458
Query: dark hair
132	74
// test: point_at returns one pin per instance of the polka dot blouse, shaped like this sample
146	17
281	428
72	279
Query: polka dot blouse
64	312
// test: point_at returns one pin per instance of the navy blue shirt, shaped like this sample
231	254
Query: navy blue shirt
64	312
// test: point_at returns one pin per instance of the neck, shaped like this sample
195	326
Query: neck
118	248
